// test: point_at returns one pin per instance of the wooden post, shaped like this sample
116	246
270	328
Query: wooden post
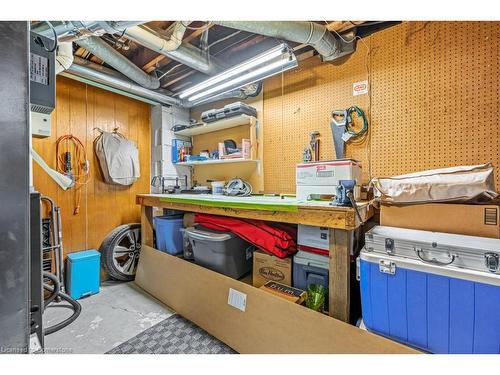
340	275
147	225
253	139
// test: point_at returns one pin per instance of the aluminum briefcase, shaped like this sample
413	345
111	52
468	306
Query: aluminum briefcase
442	249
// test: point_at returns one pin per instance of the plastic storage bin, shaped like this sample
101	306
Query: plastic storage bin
309	268
187	248
168	234
222	252
83	273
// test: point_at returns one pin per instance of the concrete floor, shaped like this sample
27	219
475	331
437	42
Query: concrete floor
119	312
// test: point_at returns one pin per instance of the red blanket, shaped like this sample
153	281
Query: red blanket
278	240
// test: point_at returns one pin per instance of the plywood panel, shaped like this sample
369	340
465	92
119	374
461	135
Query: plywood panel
79	109
435	102
268	324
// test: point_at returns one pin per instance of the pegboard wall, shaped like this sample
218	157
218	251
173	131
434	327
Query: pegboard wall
434	102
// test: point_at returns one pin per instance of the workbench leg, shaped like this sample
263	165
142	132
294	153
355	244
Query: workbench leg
147	225
340	275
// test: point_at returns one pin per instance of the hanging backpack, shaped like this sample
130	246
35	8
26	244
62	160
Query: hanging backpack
118	158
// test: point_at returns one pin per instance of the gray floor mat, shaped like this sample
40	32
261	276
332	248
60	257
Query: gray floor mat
174	335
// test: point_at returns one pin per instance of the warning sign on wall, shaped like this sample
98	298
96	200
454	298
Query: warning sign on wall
359	88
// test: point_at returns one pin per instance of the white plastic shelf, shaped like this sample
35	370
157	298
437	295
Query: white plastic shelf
217	161
231	122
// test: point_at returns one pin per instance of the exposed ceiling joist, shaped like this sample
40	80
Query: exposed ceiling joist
150	66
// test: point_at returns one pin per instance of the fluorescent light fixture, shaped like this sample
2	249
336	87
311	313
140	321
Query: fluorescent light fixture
269	63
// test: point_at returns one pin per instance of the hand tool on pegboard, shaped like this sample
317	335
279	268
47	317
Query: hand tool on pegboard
314	142
343	129
338	125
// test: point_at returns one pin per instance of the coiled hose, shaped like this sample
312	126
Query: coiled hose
55	291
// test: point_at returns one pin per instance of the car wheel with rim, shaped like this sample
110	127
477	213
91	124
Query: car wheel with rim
120	252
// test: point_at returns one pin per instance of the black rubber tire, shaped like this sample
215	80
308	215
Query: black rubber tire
106	251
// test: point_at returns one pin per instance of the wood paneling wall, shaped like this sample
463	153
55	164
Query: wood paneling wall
435	102
79	109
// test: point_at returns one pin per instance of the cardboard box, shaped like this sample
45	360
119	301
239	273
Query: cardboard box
467	219
267	267
284	291
315	239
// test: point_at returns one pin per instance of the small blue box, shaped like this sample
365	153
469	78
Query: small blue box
83	273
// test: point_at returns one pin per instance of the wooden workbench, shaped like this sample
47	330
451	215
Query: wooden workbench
342	220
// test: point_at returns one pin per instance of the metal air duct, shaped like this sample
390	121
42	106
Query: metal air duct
68	31
108	79
105	52
310	33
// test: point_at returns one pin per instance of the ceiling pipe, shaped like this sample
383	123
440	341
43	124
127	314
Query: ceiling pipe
152	40
108	54
110	80
68	31
173	48
86	34
311	33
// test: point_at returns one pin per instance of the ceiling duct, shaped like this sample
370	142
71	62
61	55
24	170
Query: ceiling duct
86	34
105	52
68	31
173	47
310	33
108	79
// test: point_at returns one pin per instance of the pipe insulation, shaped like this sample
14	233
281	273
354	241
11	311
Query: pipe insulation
304	32
64	56
105	52
149	39
173	48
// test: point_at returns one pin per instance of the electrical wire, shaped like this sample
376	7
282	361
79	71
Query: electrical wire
223	39
79	164
170	70
365	136
187	69
368	138
56	43
348	126
237	187
343	39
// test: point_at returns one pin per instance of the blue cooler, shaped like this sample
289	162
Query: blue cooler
83	273
309	268
169	237
438	292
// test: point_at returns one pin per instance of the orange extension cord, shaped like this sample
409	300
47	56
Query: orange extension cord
79	164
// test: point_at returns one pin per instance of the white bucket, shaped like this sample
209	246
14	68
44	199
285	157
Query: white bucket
217	187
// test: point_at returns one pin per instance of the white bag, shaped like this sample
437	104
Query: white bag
456	184
118	157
